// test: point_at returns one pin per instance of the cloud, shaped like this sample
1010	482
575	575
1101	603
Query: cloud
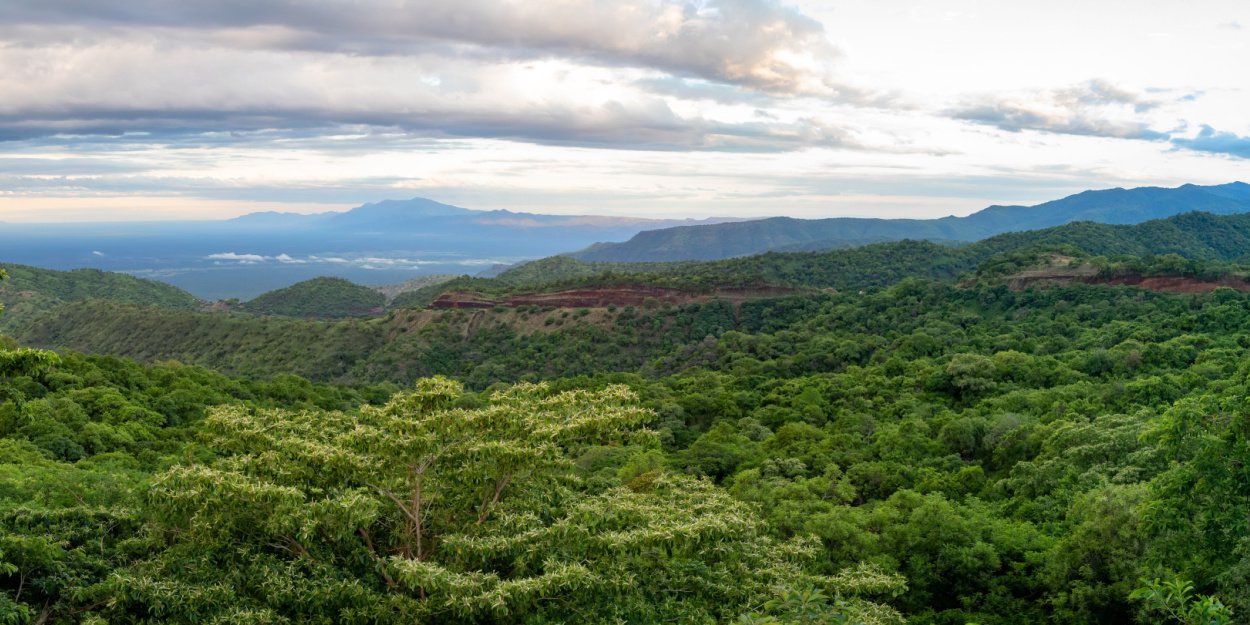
62	166
1096	108
95	90
365	262
1213	141
693	89
760	44
242	258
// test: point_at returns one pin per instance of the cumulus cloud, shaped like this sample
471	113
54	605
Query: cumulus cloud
1213	141
1096	108
689	89
114	87
241	258
757	43
363	262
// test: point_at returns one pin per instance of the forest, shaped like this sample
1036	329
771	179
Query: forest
913	437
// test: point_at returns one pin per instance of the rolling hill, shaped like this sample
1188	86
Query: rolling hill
1199	236
31	291
319	298
573	340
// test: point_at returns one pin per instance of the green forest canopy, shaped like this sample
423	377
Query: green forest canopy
924	451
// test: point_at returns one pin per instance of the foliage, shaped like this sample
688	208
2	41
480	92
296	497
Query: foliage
1016	456
1176	600
319	298
30	292
424	509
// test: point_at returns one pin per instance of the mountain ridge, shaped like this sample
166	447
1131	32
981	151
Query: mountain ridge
744	238
373	350
403	212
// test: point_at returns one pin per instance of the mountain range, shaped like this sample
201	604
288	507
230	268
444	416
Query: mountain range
726	240
395	241
380	243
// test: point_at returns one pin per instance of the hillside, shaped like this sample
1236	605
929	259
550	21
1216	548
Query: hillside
31	291
1191	235
979	442
480	346
513	319
391	291
610	296
1110	206
319	298
1195	235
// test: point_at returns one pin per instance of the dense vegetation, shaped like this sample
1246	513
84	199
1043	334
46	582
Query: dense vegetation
1198	236
31	291
482	347
913	448
319	298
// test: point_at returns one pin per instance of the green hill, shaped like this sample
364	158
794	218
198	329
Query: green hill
485	346
319	298
30	291
1199	236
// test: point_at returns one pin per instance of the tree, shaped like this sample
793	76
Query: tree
1176	601
421	509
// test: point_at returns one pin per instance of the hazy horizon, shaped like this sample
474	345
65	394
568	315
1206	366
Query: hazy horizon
322	210
158	109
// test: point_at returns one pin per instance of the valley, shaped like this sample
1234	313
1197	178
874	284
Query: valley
627	312
1013	394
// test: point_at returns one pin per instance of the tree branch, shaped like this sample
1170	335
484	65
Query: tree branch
490	505
364	533
398	502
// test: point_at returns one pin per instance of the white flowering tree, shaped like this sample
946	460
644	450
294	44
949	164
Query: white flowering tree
422	511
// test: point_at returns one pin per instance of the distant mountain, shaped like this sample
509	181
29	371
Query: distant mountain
319	298
424	216
1197	236
386	242
727	240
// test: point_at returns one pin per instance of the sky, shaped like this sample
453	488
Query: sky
168	109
